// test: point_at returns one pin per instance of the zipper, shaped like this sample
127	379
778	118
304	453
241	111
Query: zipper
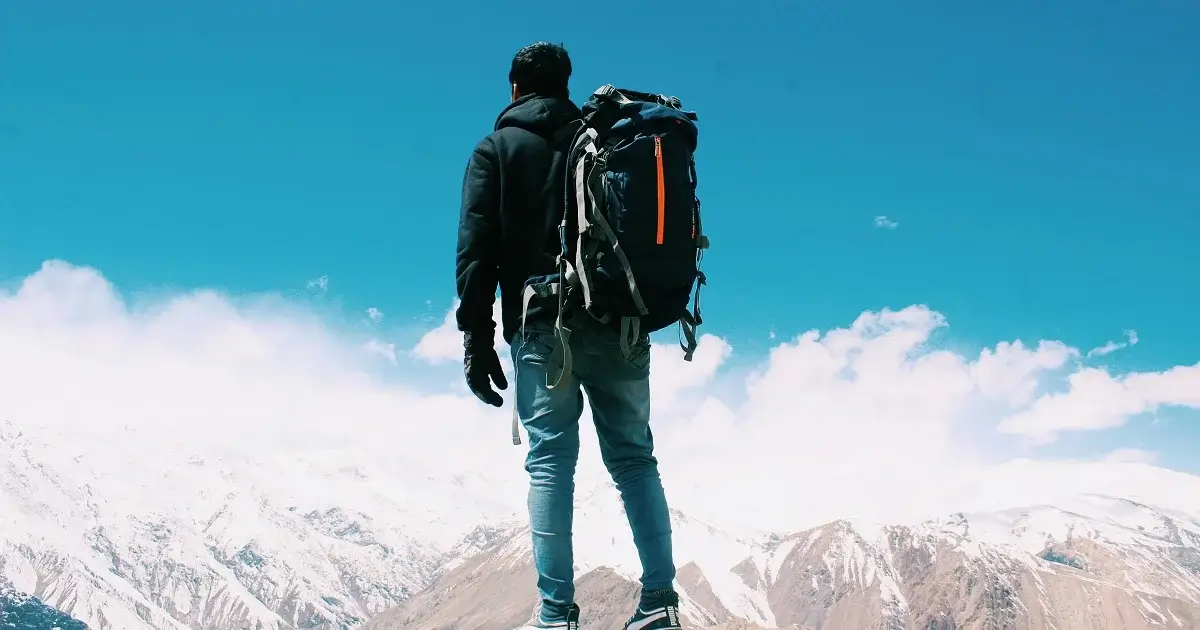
662	189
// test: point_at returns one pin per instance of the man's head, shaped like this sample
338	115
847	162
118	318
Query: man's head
542	68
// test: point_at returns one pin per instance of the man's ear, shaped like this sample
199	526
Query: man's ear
516	92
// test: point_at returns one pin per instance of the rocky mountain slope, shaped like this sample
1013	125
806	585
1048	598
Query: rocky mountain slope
1095	563
220	542
212	544
19	611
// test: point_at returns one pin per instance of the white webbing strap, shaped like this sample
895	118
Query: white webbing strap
516	420
582	195
531	291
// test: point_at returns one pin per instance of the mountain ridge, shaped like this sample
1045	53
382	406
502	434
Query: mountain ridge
837	575
216	542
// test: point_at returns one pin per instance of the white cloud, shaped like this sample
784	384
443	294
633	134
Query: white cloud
374	314
869	420
1010	370
444	344
320	284
1132	455
673	381
1097	400
861	421
383	349
253	380
882	221
1131	339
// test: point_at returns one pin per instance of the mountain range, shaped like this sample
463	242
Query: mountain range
209	543
1094	562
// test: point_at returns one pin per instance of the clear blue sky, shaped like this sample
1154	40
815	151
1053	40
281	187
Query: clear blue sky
1042	159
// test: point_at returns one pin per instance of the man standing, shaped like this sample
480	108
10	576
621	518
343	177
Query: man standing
512	204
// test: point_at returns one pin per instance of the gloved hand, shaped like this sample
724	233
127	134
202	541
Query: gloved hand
481	363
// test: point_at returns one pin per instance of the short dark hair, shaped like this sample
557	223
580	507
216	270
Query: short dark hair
541	68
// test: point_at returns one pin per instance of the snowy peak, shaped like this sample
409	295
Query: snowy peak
189	540
831	572
1131	544
230	545
1102	518
1095	562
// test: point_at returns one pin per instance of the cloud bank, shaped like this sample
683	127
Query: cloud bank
867	420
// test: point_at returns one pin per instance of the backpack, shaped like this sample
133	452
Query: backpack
631	234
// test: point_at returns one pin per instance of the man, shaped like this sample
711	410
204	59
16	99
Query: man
512	203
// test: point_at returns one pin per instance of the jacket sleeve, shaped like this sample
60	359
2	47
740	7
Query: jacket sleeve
478	257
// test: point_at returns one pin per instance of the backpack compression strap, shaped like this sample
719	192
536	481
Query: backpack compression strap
690	321
568	275
589	221
588	217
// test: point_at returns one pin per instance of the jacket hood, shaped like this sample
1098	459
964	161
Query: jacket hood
543	115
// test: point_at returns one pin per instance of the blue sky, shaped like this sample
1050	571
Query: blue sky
1040	161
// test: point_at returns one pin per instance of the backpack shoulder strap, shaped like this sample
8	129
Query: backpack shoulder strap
567	132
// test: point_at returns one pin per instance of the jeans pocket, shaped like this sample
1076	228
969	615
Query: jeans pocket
639	354
535	347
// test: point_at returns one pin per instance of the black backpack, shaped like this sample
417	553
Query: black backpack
631	234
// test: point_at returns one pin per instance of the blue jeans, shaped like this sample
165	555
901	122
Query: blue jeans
618	389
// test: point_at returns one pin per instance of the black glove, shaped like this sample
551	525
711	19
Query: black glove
481	363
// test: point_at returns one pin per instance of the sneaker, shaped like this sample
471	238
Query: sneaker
536	623
658	610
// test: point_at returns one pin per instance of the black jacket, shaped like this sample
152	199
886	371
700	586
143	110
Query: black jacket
512	204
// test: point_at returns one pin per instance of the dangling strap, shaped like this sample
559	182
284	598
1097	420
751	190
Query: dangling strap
516	420
589	221
607	233
536	290
687	328
531	291
689	322
586	142
566	274
631	330
561	333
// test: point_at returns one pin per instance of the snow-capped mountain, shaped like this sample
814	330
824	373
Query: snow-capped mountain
324	541
219	544
1094	562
